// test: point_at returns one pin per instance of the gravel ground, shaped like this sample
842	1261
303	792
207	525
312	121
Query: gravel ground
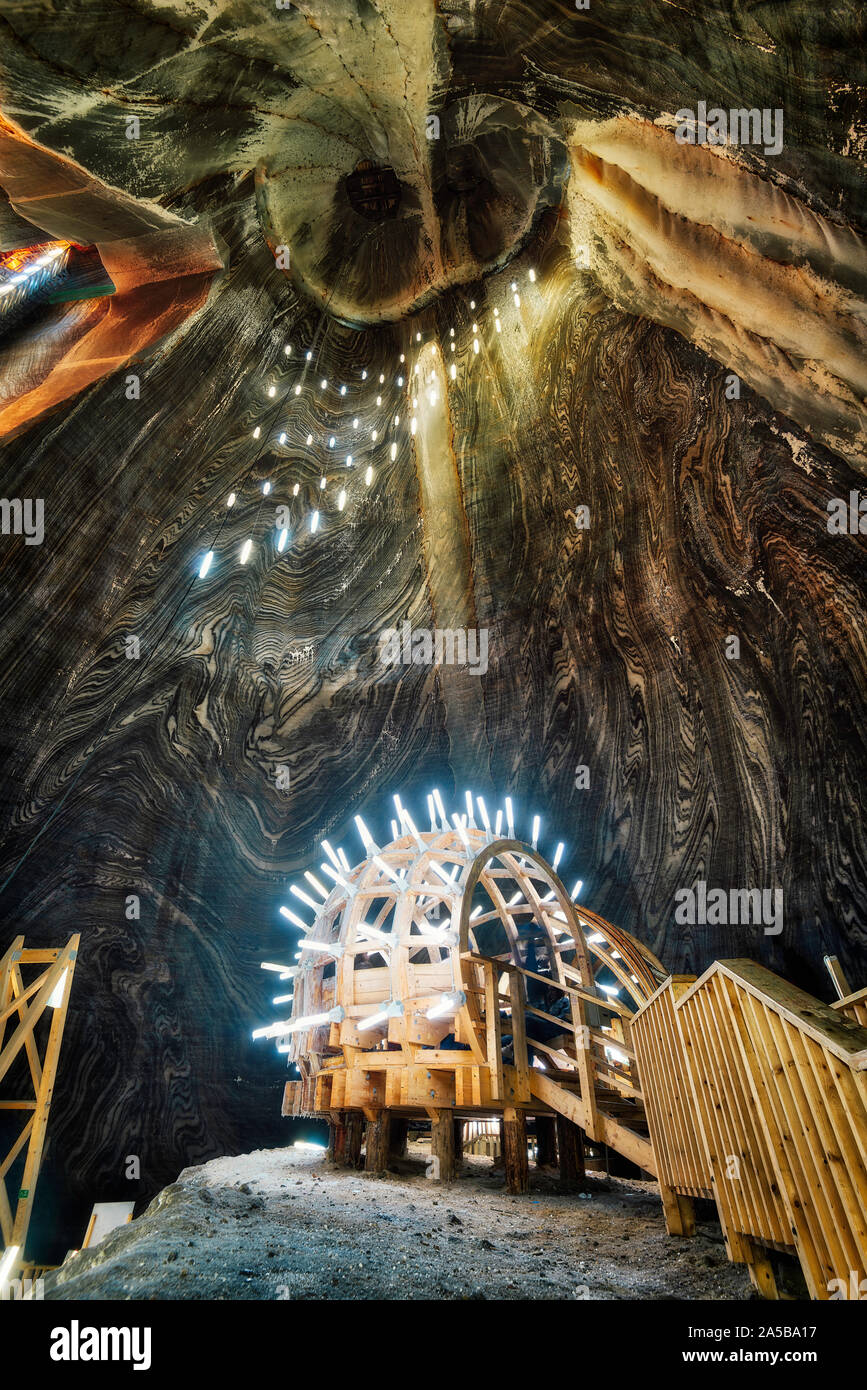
282	1223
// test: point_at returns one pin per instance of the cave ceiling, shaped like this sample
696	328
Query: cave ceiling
528	303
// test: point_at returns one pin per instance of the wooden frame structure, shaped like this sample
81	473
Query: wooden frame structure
451	975
22	1005
456	936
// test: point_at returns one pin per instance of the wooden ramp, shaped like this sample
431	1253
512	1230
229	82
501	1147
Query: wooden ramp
756	1095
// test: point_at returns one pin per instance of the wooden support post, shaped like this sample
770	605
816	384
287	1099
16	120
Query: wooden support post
679	1212
398	1137
336	1140
515	1151
442	1145
459	1143
761	1272
354	1135
376	1143
570	1145
546	1141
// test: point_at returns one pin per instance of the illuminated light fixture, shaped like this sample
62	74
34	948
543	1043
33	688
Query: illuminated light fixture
288	349
364	375
330	948
615	955
499	328
282	999
459	827
558	855
476	912
447	1004
496	313
476	346
368	477
577	889
375	934
56	997
392	1010
438	802
513	286
343	390
309	440
536	825
472	304
7	1263
287	972
348	460
610	989
323	383
338	878
396	421
515	898
314	883
374	434
418	337
395	830
498	824
341	500
257	431
595	939
480	801
297	390
366	838
295	490
326	845
230	500
379	400
206	564
415	402
272	390
468	797
322	482
453	371
282	439
303	897
532	276
314	523
281	543
294	919
381	378
266	488
309	356
447	878
393	452
510	819
387	869
475	328
331	442
279	1030
517	299
343	860
245	551
452	347
413	425
451	332
400	381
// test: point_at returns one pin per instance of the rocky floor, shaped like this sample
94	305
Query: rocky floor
283	1224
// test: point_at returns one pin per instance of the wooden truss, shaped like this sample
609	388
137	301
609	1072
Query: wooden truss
22	1005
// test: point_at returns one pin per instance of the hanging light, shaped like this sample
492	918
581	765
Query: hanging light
281	543
448	1004
230	500
245	551
206	564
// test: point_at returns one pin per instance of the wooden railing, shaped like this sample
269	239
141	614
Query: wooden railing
756	1093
